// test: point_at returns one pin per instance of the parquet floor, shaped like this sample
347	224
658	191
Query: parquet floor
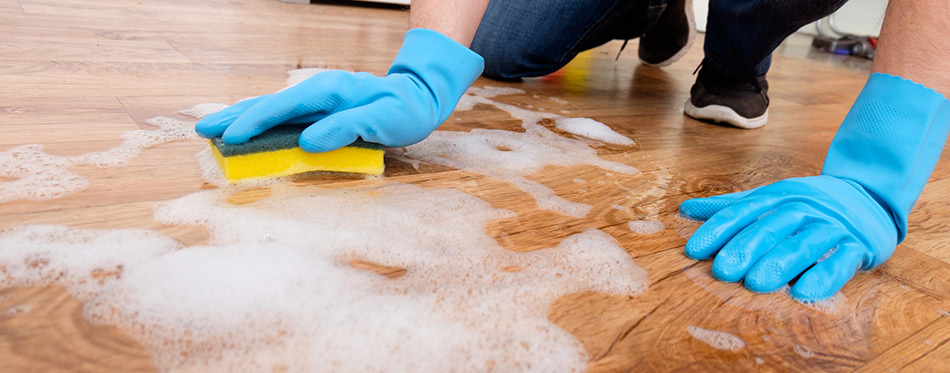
75	75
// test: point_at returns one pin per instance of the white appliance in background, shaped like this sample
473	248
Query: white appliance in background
859	17
401	2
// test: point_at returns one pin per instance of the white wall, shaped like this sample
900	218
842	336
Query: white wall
859	17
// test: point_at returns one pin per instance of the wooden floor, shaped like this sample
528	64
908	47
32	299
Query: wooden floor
75	75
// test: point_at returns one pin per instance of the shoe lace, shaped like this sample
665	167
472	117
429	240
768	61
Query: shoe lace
699	66
621	49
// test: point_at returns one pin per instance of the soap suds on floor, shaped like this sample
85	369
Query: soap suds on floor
201	110
18	310
646	226
512	156
717	339
592	129
830	306
237	302
39	176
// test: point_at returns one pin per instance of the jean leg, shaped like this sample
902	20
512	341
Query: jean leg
741	34
520	38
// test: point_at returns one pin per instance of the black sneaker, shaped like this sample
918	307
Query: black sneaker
670	37
743	103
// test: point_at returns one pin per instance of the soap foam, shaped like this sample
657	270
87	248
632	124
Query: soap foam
18	310
646	226
717	339
830	306
511	156
273	288
592	129
202	110
210	169
39	176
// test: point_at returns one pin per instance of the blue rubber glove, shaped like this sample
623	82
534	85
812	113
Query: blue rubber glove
429	75
826	227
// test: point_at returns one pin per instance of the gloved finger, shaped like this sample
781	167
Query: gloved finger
319	96
371	122
828	276
721	227
214	124
337	130
793	256
738	256
704	208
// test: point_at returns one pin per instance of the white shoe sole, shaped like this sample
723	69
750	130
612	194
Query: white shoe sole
690	19
725	114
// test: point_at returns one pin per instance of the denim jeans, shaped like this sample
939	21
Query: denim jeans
522	38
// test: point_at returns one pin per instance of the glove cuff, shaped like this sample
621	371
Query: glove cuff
890	142
446	67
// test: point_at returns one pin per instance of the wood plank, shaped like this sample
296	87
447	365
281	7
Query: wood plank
49	334
62	80
27	48
924	351
927	230
919	270
41	121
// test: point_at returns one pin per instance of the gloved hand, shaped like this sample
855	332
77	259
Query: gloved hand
429	75
849	218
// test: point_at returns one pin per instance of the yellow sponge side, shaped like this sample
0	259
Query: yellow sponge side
293	161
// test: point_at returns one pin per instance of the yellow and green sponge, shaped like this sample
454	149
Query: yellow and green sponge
275	153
